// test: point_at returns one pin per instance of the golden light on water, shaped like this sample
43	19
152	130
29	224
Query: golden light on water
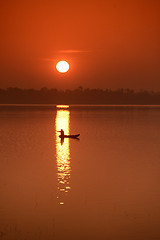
62	106
62	155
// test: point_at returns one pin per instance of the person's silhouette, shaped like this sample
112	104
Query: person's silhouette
62	133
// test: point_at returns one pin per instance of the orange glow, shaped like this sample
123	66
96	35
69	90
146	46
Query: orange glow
113	44
62	155
62	66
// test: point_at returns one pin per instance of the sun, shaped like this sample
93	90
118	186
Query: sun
62	66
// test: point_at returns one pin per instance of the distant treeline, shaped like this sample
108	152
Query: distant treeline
78	96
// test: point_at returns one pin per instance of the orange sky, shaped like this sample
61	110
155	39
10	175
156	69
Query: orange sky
109	43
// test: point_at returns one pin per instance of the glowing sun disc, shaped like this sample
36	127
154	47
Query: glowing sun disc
62	66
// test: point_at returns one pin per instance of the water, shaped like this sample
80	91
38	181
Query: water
103	186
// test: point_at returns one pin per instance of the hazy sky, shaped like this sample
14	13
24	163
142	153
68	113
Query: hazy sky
108	43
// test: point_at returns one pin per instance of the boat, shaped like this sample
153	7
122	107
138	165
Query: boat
69	136
62	135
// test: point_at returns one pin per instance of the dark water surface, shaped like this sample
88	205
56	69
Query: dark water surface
104	186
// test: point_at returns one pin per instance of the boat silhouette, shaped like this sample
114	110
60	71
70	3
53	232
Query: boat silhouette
62	135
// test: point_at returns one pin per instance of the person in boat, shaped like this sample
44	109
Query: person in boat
69	136
62	133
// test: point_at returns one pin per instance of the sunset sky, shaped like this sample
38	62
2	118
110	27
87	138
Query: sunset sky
108	43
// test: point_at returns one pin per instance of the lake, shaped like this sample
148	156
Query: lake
106	185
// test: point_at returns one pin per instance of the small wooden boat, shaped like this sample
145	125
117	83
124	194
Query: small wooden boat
69	136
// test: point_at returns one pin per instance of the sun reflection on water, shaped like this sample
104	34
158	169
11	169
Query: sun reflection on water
62	155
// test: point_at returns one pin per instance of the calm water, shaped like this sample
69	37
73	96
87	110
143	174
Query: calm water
104	186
